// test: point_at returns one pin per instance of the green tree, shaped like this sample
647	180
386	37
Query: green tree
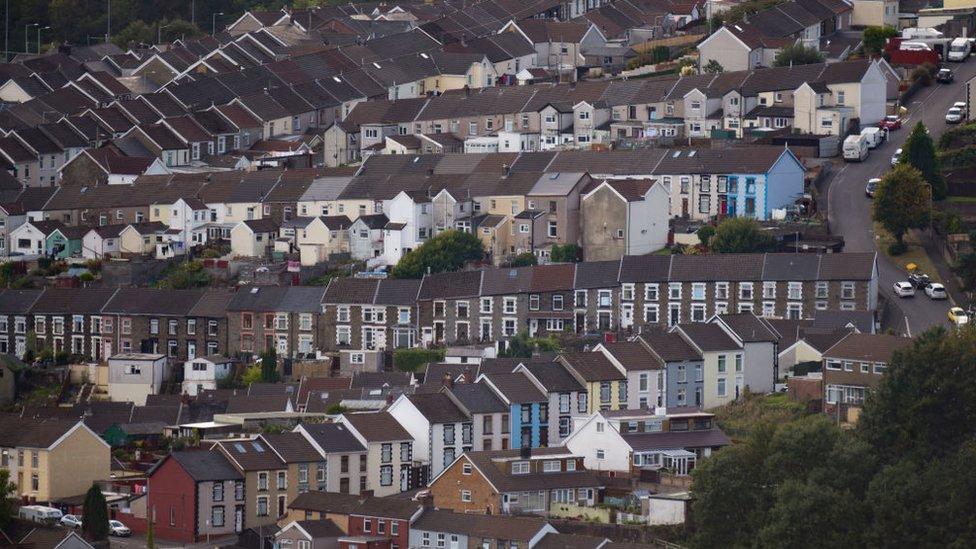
253	374
137	32
566	253
738	235
965	269
713	67
336	409
269	366
94	517
875	37
524	259
940	415
705	234
415	358
519	346
7	489
448	251
902	201
809	515
797	54
919	152
186	275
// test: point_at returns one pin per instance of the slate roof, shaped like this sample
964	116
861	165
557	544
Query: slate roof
670	347
749	327
295	299
377	426
477	398
516	387
868	347
293	447
449	285
71	301
592	366
252	455
709	337
681	439
247	404
553	376
437	408
478	526
596	274
504	481
333	437
33	433
351	504
204	465
147	301
632	355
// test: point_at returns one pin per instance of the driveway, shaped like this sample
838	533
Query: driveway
849	210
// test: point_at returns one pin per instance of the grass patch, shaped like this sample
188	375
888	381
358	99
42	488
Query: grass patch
915	254
741	417
961	199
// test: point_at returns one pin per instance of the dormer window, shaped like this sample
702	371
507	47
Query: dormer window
520	467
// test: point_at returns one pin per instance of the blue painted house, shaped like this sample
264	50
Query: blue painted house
684	368
528	418
747	182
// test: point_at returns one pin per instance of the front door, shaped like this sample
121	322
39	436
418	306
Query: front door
239	518
684	207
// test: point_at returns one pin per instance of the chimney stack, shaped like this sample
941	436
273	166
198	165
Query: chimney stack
448	381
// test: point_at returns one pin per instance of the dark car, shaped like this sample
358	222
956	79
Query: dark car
919	280
871	187
945	76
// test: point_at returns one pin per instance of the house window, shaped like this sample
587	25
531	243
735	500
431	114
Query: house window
745	290
847	290
821	290
386	475
217	516
466	496
557	302
262	507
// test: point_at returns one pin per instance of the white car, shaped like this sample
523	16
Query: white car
936	291
116	528
954	116
904	289
961	105
71	521
895	157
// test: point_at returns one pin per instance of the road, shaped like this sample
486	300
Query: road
849	210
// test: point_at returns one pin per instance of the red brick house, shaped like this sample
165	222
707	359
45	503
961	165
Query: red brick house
360	516
195	493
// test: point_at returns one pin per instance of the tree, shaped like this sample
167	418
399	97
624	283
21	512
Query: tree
797	54
524	259
919	152
713	67
448	251
739	235
875	37
705	234
94	518
520	346
253	374
7	489
186	275
808	515
336	409
137	32
902	201
269	366
567	253
942	415
965	269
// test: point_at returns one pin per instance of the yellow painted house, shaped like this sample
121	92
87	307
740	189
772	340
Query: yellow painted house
50	460
606	385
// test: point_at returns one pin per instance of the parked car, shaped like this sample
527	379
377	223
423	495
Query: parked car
954	115
904	289
958	316
944	76
116	528
871	187
936	291
895	158
919	280
963	106
891	122
71	521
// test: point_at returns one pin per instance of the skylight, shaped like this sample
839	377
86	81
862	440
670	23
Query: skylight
240	448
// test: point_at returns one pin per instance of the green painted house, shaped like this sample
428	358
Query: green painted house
65	242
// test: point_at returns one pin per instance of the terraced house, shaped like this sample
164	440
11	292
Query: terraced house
370	314
285	319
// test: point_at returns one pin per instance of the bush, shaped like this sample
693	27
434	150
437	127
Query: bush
185	275
411	360
567	253
705	233
897	248
524	259
923	74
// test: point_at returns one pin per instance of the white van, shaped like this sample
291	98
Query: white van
875	136
855	148
959	50
40	513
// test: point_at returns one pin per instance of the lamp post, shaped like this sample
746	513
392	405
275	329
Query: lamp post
27	35
213	23
39	29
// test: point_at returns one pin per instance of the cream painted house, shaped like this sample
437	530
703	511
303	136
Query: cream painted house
52	459
322	237
141	238
253	238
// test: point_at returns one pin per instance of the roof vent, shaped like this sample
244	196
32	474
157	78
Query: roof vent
424	55
554	176
255	290
337	79
738	28
512	273
377	65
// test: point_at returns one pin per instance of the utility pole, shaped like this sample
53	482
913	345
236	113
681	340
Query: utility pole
6	31
108	23
27	36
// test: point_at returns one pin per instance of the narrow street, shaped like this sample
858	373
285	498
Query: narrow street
849	210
